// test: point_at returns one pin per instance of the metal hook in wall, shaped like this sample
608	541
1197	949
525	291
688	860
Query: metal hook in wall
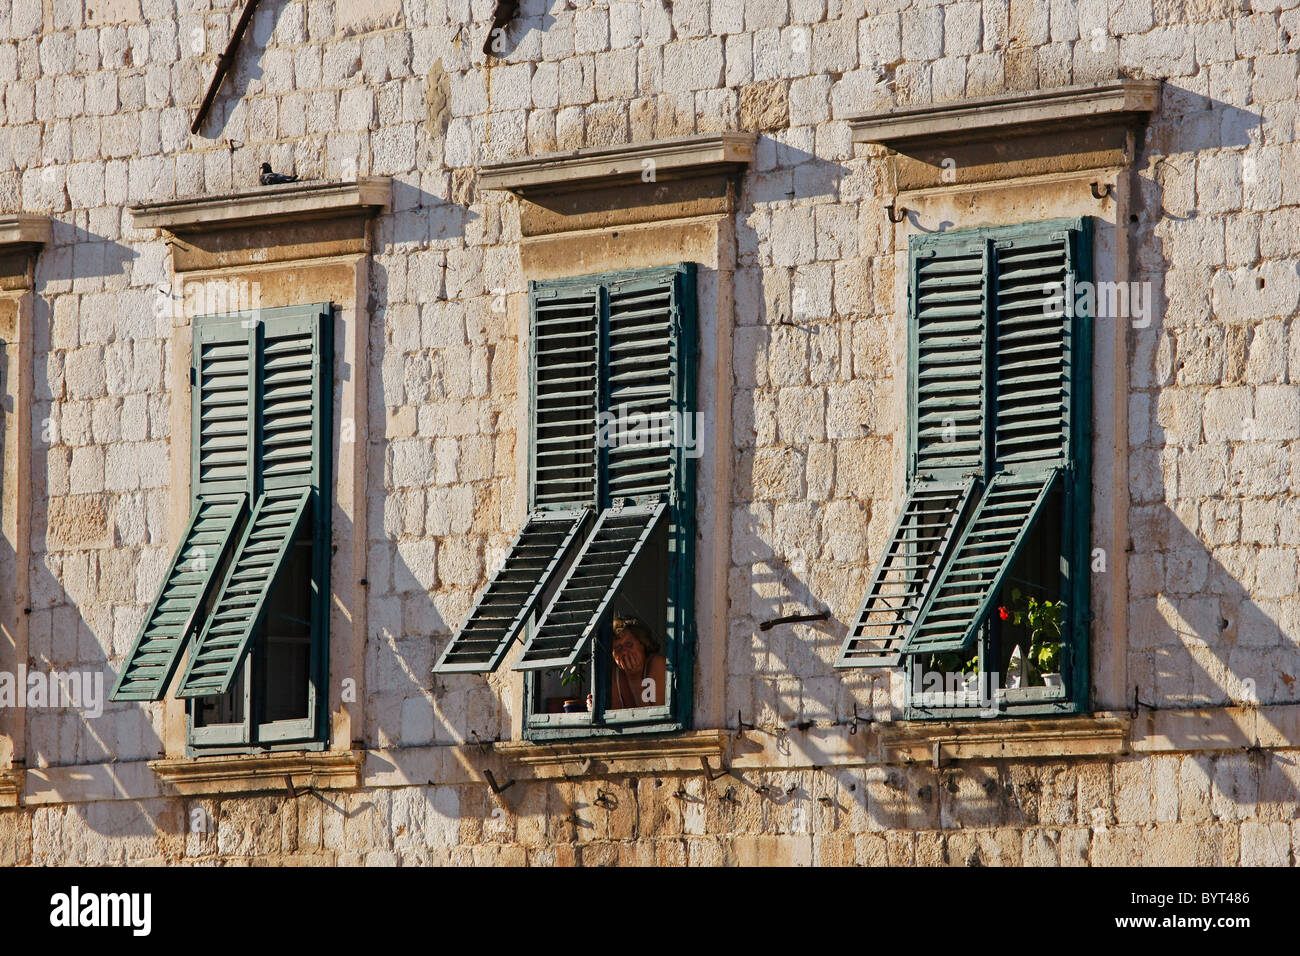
741	725
497	788
895	216
793	619
708	770
1102	191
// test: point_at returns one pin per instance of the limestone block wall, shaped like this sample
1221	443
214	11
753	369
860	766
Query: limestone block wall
95	105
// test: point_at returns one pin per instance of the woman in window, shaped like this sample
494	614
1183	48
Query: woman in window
639	671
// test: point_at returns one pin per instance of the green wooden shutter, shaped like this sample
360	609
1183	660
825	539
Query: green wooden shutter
565	326
221	379
958	604
642	395
589	586
228	632
504	607
291	396
221	410
1034	354
640	388
171	618
948	300
564	350
921	539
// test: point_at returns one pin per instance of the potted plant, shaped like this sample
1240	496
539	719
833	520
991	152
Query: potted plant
1043	619
575	677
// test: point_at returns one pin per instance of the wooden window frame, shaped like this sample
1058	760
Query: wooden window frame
679	638
1074	483
309	733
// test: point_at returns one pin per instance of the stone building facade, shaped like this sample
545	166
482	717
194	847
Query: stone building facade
794	151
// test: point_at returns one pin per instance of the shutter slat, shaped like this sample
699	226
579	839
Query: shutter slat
562	445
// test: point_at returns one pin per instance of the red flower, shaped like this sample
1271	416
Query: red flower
1003	613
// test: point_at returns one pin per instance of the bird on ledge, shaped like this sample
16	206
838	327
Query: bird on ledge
271	178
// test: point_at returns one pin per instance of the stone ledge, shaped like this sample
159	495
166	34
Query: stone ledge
620	755
941	742
269	206
995	117
11	785
192	776
674	158
24	230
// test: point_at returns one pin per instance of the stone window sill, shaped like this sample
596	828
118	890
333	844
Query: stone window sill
193	776
11	785
909	742
645	754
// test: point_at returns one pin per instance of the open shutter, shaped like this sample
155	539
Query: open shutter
948	296
157	649
221	378
1034	350
592	582
565	342
290	396
506	604
907	570
958	604
229	629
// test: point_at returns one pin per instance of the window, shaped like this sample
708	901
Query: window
994	529
599	582
247	590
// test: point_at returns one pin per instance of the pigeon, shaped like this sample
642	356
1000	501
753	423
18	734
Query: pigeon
270	178
505	12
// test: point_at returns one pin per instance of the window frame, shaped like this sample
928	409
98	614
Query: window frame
1074	483
679	639
308	733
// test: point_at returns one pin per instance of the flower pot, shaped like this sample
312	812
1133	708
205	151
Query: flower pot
573	706
1053	680
1015	668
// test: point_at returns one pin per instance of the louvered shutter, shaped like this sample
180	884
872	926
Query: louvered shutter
641	370
591	583
1034	342
291	397
171	618
643	400
510	598
948	295
957	605
921	539
565	327
228	631
565	348
948	299
221	479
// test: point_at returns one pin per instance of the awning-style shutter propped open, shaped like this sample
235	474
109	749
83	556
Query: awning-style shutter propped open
592	582
968	585
226	636
504	607
922	536
157	650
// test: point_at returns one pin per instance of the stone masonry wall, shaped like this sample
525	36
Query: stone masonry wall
95	103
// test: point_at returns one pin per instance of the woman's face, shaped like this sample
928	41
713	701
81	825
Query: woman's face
629	655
